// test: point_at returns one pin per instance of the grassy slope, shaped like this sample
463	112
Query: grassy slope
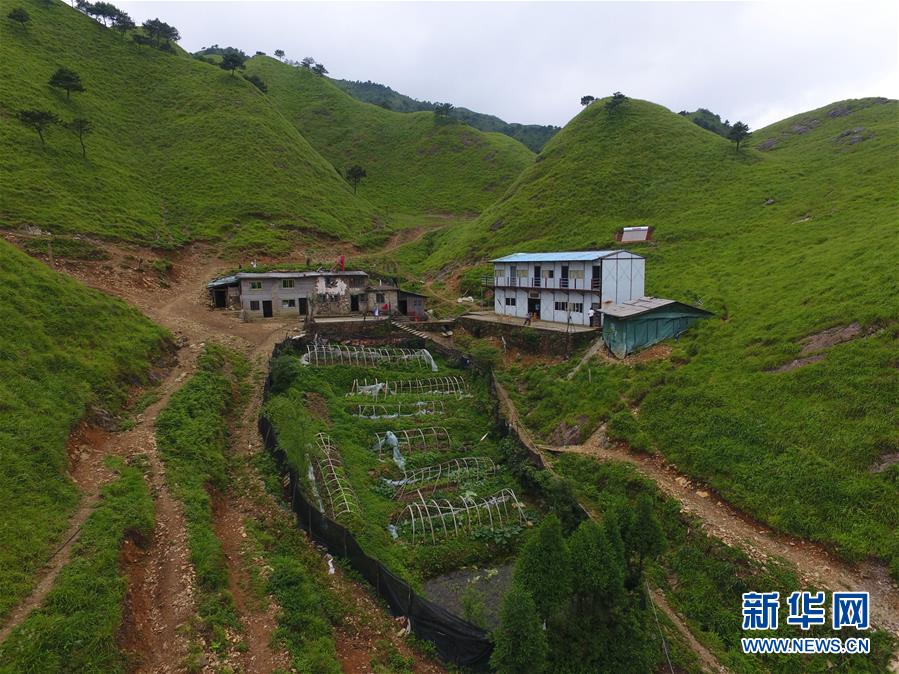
62	348
793	448
533	136
181	150
705	579
414	163
77	627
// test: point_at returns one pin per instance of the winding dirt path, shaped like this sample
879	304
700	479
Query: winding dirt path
161	601
708	661
88	448
817	566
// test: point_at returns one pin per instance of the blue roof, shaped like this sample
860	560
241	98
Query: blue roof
570	256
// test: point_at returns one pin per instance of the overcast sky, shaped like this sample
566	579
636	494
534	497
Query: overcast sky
531	62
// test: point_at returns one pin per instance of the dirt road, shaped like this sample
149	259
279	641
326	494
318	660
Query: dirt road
160	601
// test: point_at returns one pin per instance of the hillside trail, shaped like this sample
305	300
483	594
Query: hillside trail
707	660
88	447
817	567
160	598
161	593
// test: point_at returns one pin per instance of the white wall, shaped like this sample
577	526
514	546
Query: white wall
623	277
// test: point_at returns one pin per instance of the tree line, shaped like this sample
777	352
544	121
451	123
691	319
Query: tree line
579	602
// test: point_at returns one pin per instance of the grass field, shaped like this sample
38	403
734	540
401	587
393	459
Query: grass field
180	149
76	628
415	162
533	136
64	350
780	245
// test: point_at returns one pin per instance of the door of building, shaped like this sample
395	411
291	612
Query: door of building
266	308
403	306
303	304
564	277
534	306
354	302
537	270
221	298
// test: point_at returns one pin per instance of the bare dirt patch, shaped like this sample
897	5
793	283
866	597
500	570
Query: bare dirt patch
813	345
830	337
568	434
317	406
885	462
257	615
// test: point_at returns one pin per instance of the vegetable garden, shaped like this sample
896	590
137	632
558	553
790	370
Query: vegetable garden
410	464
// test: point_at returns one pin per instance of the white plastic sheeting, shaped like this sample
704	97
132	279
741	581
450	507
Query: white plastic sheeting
418	408
319	353
433	439
430	519
456	386
448	472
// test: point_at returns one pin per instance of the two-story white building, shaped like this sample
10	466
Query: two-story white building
563	287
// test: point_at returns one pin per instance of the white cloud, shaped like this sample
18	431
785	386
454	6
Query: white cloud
531	62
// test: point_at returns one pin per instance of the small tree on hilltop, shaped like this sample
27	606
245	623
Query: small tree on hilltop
443	109
19	15
319	69
104	11
81	127
38	120
160	32
307	62
141	40
66	79
587	100
354	175
738	133
123	23
543	567
279	54
520	641
233	61
616	101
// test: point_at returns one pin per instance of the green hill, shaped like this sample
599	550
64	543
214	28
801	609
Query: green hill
708	120
180	151
780	244
64	350
415	162
534	136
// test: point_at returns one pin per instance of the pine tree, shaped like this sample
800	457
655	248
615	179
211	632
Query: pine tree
520	641
543	568
645	537
66	79
738	133
599	582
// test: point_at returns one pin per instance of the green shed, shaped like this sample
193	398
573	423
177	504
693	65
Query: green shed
630	326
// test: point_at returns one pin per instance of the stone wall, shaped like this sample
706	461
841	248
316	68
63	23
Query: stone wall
530	339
